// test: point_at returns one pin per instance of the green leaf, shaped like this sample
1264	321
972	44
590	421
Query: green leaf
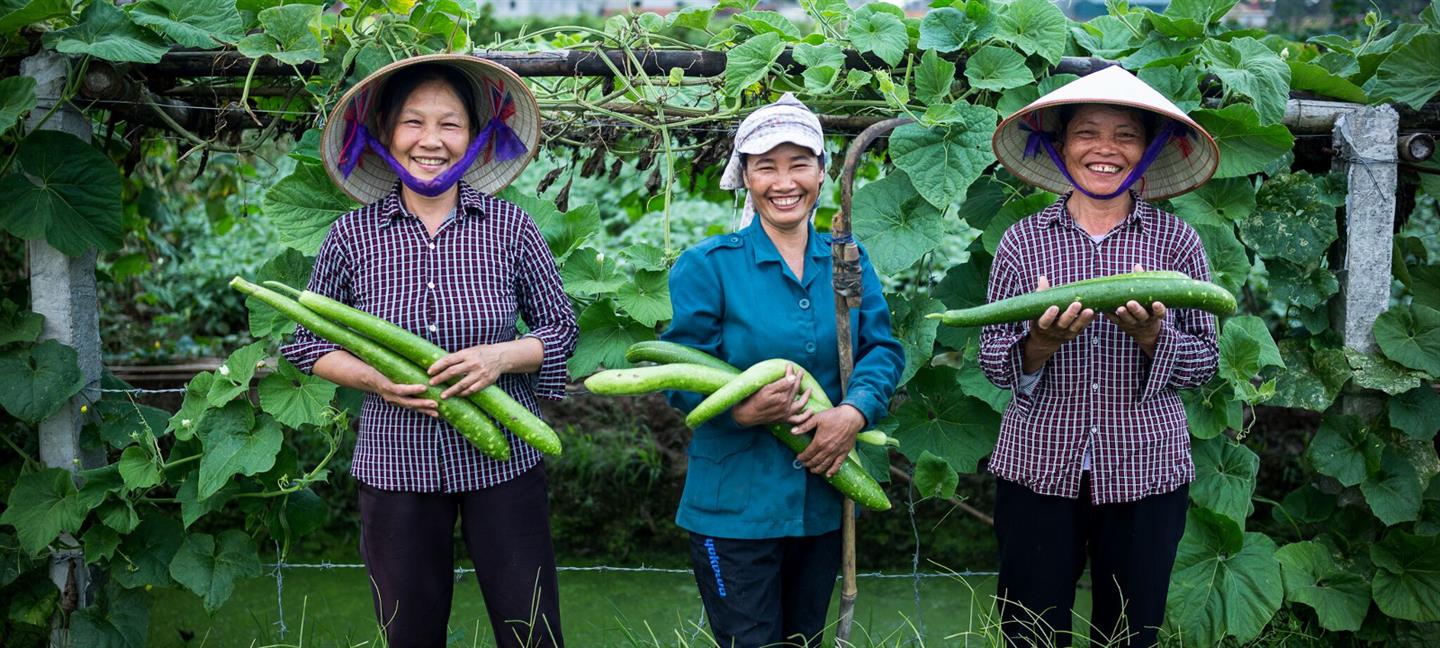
1035	26
1314	378
1393	492
934	477
18	324
18	13
879	33
138	468
147	553
1179	87
295	398
826	55
1189	18
1305	287
289	267
1411	337
1380	373
302	205
1294	219
236	443
945	30
563	232
1249	69
1245	348
43	505
769	22
1229	263
899	227
943	161
1416	413
1225	583
1246	147
1225	478
933	78
120	620
915	332
820	79
1340	598
209	566
289	34
693	17
105	32
192	506
606	338
118	514
17	97
65	191
1012	212
196	402
1310	77
750	61
1106	37
100	544
589	272
974	383
194	23
1407	583
1409	74
646	297
1212	411
1218	202
1425	284
960	430
36	382
233	378
997	68
1305	504
1344	449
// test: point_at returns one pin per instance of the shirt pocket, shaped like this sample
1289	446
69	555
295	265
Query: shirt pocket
719	472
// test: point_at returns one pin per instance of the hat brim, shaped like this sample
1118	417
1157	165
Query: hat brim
372	179
1174	172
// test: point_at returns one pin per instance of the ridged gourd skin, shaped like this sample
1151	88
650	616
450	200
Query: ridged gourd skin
467	418
1103	294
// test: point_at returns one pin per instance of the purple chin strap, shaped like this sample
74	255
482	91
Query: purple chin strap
1172	130
431	188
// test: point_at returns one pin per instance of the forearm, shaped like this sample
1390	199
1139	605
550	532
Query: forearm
1034	354
522	356
346	370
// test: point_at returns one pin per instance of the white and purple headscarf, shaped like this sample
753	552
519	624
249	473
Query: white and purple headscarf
785	121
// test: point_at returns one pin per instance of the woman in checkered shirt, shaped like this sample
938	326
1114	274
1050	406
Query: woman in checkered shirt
1093	459
422	143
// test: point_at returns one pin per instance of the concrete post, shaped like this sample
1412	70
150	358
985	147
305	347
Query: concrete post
1366	140
62	289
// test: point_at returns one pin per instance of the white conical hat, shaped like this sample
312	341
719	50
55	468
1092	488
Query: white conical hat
1179	168
372	179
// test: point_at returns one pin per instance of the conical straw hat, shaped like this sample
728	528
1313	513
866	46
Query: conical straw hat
1184	164
372	179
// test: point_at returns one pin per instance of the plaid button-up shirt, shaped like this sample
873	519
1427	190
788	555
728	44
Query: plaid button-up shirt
485	266
1100	389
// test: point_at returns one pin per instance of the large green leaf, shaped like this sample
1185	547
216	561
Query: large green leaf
1416	413
879	33
1411	337
65	191
933	78
750	61
1246	147
959	429
1012	212
1225	477
762	22
606	338
209	566
1306	504
1212	409
1340	598
898	226
1218	202
1380	373
195	402
823	55
236	443
233	378
15	14
934	477
1344	449
1407	583
1409	75
138	468
1180	87
943	161
1393	492
1189	18
1249	69
1294	218
105	32
302	206
18	324
945	30
288	33
646	297
123	422
147	552
1313	78
121	619
997	68
17	97
1225	582
1035	26
1246	348
36	381
1306	287
590	272
289	267
915	332
192	506
1229	263
974	383
295	398
1313	378
193	23
43	505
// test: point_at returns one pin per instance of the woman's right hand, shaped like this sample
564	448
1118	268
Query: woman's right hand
774	403
405	396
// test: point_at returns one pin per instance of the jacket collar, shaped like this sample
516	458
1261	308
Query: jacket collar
816	246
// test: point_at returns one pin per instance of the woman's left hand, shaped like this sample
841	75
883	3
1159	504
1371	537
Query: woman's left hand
835	431
472	369
1141	324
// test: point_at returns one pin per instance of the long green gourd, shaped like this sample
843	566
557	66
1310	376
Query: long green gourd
1103	294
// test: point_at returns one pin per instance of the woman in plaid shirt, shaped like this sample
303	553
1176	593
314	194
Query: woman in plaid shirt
439	256
1093	458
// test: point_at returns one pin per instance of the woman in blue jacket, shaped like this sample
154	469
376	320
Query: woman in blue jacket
763	522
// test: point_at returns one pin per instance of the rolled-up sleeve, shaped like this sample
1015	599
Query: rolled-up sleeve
546	310
1186	351
331	278
697	299
879	357
1000	343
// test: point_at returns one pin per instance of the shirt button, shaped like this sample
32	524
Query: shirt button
1095	340
804	303
432	246
434	328
1095	429
430	285
1095	386
809	347
797	465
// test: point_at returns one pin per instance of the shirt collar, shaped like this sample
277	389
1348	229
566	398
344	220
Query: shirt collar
472	203
1142	213
764	249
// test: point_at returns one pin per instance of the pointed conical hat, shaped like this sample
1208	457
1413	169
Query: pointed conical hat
1178	169
372	179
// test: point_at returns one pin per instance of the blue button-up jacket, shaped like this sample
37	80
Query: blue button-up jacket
735	298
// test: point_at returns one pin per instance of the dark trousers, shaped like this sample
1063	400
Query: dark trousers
771	592
408	543
1044	542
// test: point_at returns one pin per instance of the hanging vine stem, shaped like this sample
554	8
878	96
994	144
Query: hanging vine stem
665	138
264	136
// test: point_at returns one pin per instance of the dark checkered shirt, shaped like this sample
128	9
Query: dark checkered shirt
466	286
1100	388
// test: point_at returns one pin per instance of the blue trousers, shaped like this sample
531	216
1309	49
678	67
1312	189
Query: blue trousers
770	592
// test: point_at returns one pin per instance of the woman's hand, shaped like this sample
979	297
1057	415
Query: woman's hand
1052	329
1140	324
774	403
472	369
835	431
405	396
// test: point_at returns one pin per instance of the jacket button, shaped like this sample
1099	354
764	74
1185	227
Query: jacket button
797	465
809	347
804	303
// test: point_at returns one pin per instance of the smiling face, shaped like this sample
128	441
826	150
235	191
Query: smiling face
429	131
1102	144
784	184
